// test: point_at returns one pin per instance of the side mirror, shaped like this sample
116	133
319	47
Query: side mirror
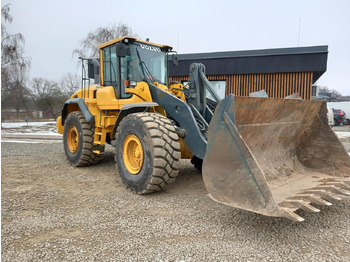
94	70
175	60
121	50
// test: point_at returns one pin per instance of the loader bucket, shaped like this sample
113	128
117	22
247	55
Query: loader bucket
273	156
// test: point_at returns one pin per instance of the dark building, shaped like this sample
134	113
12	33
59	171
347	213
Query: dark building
280	72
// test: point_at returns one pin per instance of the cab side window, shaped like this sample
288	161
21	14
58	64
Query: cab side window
125	73
110	66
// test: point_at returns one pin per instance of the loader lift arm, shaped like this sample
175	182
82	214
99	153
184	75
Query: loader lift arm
195	116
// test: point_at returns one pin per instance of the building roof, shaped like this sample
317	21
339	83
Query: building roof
280	60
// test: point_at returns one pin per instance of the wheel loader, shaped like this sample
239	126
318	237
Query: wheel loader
266	155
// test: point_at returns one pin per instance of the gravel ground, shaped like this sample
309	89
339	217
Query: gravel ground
54	212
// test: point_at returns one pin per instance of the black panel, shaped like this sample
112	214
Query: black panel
285	60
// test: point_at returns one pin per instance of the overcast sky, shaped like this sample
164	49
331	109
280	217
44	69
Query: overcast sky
52	29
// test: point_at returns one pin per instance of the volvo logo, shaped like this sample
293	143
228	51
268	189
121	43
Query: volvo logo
150	48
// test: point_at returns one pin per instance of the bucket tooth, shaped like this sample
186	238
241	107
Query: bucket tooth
289	213
299	204
339	184
334	189
345	180
313	198
323	194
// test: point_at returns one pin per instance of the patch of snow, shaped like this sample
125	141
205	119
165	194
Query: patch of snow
30	141
38	128
21	142
47	133
24	124
343	134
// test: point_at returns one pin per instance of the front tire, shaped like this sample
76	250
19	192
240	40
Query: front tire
147	152
78	139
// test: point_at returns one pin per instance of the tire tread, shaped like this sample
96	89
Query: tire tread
166	152
88	157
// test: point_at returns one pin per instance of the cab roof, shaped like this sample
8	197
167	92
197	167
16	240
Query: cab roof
132	39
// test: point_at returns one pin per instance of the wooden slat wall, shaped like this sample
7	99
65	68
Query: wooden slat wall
277	85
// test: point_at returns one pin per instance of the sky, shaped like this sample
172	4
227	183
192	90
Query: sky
54	28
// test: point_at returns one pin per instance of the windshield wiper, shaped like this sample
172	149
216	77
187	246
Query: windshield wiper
146	73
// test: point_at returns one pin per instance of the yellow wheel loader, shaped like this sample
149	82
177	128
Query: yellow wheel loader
266	155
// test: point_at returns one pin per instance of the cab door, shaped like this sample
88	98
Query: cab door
115	68
111	74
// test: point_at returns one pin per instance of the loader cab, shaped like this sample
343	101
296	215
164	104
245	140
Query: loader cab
127	61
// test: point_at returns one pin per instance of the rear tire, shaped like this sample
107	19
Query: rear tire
147	152
78	139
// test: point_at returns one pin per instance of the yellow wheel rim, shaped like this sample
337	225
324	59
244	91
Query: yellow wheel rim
133	154
73	139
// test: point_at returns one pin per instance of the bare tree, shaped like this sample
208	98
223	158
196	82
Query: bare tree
47	96
69	83
100	36
14	65
15	95
332	92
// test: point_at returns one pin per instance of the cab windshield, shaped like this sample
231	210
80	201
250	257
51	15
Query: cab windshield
143	63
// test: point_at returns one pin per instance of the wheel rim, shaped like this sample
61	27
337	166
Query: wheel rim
133	154
73	139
